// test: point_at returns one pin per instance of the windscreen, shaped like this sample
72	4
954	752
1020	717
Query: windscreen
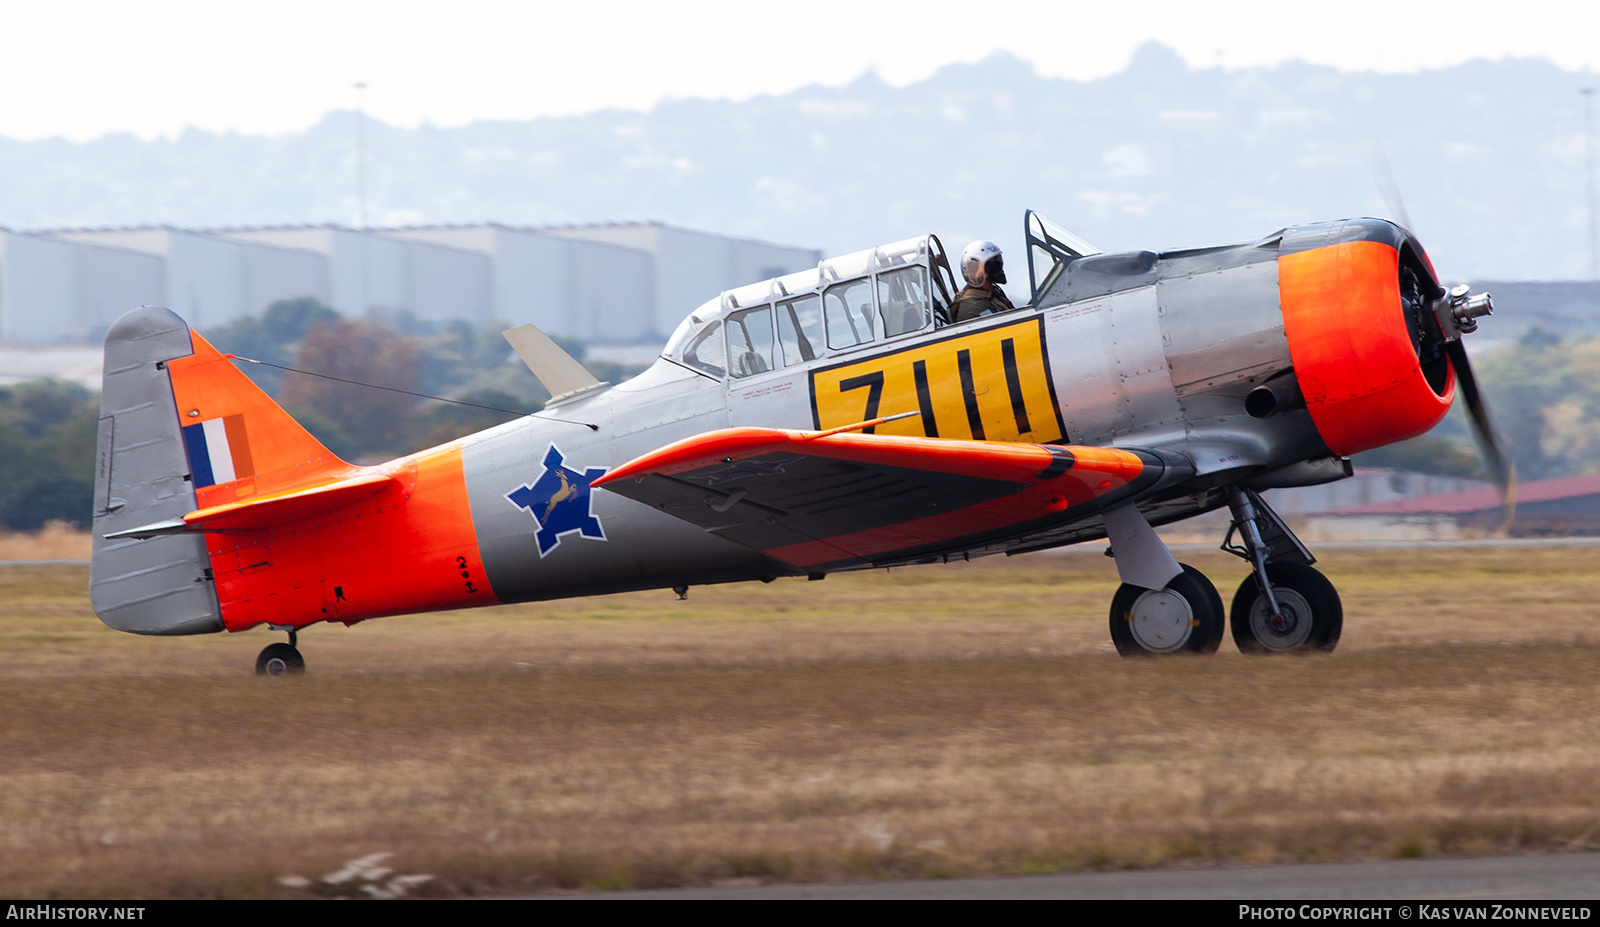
1050	249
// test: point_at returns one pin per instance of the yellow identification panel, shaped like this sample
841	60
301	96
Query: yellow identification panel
990	385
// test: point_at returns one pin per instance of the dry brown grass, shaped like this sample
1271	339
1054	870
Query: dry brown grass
55	541
950	720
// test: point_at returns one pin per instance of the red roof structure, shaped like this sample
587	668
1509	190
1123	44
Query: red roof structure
1557	490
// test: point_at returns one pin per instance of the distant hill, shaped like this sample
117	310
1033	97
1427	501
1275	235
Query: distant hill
1489	156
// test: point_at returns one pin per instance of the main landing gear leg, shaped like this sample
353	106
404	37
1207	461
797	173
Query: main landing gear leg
1284	605
278	660
1163	606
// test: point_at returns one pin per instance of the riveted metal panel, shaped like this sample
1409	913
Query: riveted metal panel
1229	330
1134	341
1107	361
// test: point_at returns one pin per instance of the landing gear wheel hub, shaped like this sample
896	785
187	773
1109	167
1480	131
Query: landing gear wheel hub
1293	631
280	660
1185	617
1312	614
1161	621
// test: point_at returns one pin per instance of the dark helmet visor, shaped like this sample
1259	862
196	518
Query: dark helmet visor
994	269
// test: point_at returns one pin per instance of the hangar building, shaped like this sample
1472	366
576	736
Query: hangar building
615	283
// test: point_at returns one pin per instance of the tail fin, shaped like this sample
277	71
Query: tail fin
239	442
181	429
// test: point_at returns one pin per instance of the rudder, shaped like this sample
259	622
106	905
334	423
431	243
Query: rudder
159	585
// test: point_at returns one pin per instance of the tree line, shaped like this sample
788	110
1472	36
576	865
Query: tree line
1543	393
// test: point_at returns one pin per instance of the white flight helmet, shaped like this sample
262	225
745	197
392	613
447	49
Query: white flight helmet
982	262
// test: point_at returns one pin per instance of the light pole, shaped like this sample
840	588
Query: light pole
1588	180
361	155
361	186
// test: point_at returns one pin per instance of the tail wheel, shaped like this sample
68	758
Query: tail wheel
1312	614
280	660
1185	617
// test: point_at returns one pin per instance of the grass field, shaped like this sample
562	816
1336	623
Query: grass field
937	721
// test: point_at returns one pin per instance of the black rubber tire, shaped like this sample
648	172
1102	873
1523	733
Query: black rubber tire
280	660
1205	625
1312	588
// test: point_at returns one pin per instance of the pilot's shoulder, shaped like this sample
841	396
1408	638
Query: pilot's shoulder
969	304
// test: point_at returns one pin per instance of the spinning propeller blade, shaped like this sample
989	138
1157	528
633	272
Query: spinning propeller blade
1461	320
1505	472
1378	165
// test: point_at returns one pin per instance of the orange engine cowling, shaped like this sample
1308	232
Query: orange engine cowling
1362	338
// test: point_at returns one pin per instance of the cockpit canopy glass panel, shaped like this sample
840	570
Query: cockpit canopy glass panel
848	308
903	300
749	342
706	351
800	329
1050	249
795	318
691	326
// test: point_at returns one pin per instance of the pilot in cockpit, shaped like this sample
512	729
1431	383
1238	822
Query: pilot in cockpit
983	267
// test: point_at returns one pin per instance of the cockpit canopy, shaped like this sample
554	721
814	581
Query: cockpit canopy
842	303
1050	249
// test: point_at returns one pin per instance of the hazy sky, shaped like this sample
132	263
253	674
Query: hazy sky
79	69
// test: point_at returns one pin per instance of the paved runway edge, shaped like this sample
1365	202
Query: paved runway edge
1480	880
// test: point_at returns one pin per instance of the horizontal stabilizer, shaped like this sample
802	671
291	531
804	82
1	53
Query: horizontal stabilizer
153	530
266	511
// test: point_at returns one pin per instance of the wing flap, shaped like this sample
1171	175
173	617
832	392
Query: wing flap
819	500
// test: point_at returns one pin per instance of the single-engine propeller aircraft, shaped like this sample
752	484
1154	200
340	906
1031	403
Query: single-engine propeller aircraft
822	421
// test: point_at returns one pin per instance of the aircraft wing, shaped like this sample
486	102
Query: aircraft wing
823	501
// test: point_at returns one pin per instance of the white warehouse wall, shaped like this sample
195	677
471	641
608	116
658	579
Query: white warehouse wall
210	279
54	291
112	282
570	288
271	273
627	283
692	267
363	270
38	288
